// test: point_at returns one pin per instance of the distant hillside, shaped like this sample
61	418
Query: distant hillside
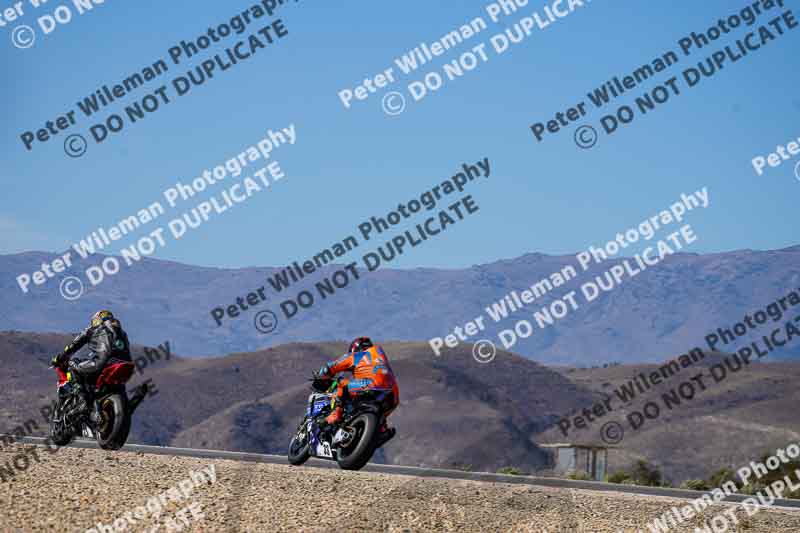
454	412
729	424
664	310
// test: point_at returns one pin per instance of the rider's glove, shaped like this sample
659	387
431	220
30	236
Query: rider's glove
56	360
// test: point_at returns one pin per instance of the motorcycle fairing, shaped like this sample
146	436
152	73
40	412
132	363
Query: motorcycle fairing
115	374
63	377
318	402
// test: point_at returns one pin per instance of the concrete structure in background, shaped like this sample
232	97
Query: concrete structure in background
580	458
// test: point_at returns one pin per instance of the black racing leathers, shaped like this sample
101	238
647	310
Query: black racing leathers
106	341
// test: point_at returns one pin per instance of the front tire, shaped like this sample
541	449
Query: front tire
299	448
359	452
115	423
59	434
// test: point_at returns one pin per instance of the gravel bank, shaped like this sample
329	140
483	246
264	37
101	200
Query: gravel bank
73	490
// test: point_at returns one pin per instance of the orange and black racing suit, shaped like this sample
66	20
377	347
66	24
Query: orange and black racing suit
371	371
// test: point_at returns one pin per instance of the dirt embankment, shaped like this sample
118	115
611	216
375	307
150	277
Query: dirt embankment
75	490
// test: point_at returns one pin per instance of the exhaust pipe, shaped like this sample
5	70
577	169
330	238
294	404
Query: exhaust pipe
139	394
386	436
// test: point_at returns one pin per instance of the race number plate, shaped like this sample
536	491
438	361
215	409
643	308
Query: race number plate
324	450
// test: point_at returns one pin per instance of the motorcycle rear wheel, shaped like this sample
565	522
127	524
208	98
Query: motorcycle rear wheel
360	450
115	423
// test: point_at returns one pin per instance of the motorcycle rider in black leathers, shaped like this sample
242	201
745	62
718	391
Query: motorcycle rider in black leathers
107	342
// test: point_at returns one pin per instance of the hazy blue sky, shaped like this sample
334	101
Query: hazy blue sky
351	164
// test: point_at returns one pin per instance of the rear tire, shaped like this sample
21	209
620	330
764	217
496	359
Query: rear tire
358	454
115	423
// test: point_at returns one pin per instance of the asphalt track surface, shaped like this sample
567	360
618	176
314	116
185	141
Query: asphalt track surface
421	472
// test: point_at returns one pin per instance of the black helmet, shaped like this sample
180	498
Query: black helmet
360	344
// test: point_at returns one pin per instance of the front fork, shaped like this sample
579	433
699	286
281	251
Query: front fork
303	432
58	420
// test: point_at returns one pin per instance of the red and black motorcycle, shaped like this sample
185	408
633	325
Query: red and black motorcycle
108	417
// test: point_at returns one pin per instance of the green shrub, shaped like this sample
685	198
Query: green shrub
785	469
645	474
695	484
642	474
620	476
579	476
721	476
726	474
509	470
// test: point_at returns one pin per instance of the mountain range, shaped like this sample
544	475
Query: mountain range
665	310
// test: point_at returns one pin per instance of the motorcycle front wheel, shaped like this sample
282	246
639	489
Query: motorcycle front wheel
299	451
360	448
59	434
